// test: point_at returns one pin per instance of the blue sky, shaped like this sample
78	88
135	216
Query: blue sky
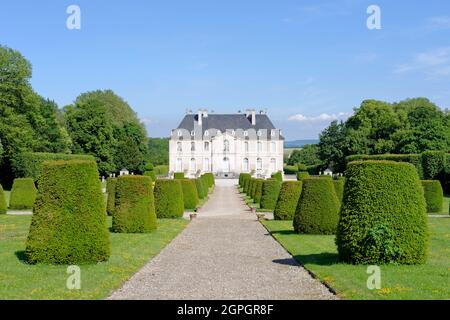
306	62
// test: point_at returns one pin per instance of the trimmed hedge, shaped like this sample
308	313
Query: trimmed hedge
277	176
318	208
252	188
169	201
23	194
111	183
290	169
383	217
3	206
69	222
258	190
150	174
190	195
205	183
246	185
134	205
242	178
287	200
209	179
178	175
202	190
30	164
434	195
161	170
270	191
339	188
302	175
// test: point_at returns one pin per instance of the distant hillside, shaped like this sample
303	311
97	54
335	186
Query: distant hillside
300	143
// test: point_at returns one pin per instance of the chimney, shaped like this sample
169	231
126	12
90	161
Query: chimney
251	116
200	117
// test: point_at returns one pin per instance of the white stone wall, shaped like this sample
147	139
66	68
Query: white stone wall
269	153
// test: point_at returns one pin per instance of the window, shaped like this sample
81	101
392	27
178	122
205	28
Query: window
259	164
259	133
226	165
260	148
179	165
246	146
273	147
192	165
246	167
273	165
206	133
180	133
179	147
192	133
206	146
192	146
245	133
226	146
206	164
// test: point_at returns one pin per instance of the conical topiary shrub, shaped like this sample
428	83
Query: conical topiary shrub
111	195
134	205
383	217
23	194
434	195
190	196
287	200
258	191
318	207
270	191
69	222
3	206
168	198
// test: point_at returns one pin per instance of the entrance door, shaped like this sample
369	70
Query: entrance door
226	165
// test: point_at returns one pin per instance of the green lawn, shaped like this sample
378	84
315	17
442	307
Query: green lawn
318	254
130	252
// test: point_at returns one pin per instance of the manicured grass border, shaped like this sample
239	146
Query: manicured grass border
129	253
318	254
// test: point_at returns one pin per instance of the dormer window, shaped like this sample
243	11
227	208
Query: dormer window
272	133
206	133
259	133
245	133
180	133
192	133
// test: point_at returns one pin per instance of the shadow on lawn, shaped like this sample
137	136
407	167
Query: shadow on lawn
21	256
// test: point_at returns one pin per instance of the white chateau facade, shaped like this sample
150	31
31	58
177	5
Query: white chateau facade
226	145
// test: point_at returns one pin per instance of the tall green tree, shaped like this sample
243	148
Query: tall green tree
307	155
158	151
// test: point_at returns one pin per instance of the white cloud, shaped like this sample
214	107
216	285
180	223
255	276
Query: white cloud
324	117
434	63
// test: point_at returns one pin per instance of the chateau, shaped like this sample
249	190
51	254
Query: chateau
226	145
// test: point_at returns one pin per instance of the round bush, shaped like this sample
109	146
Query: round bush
270	191
318	208
69	222
134	205
277	176
23	194
169	201
3	207
190	195
111	195
339	188
150	174
302	175
201	188
149	166
434	195
383	216
287	200
178	175
258	190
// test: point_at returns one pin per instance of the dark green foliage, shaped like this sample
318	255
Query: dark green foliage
69	222
287	200
178	175
434	196
307	155
111	192
258	190
414	159
383	216
247	185
318	208
339	188
23	194
277	176
302	167
134	205
29	164
251	187
149	166
302	175
290	169
242	178
270	191
190	195
202	189
433	163
162	170
3	207
158	151
169	201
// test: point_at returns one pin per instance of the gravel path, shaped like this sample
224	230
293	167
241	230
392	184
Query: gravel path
223	254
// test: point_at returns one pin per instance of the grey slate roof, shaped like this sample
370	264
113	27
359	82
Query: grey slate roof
225	122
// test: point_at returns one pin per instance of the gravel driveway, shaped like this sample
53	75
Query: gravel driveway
223	254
